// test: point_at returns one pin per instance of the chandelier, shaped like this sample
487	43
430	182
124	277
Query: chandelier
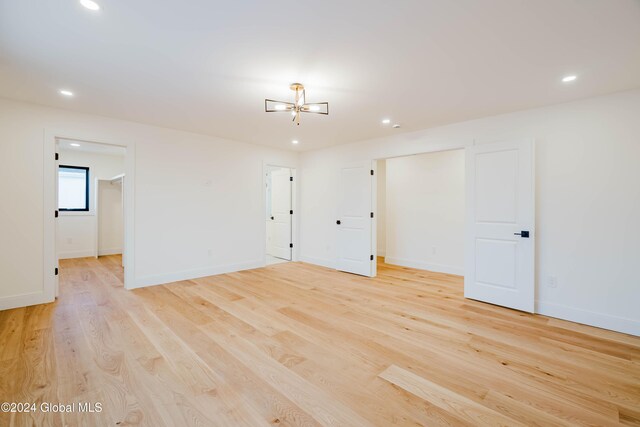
298	106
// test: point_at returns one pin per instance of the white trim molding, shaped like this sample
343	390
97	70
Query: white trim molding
198	273
77	254
50	138
25	300
319	261
110	251
599	320
438	268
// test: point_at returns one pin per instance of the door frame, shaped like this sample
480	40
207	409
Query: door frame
464	145
438	149
294	206
50	177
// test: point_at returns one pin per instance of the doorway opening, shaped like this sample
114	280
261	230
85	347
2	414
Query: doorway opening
90	204
420	204
478	222
278	214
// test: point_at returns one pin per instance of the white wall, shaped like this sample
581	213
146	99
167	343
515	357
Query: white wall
425	211
381	207
110	218
199	201
587	200
77	230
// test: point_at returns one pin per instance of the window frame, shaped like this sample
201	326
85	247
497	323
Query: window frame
87	182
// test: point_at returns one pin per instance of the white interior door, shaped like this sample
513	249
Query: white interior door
354	222
97	217
281	213
123	219
56	230
500	237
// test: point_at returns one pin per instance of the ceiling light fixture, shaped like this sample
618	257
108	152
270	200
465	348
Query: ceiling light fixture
65	92
295	141
90	4
386	121
298	106
73	144
568	79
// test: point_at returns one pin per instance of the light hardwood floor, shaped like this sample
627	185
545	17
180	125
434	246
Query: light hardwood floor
301	345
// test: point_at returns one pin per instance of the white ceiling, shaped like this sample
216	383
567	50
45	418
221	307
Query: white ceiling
91	147
206	66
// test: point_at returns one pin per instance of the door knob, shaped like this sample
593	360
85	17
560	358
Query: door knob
524	234
338	222
271	218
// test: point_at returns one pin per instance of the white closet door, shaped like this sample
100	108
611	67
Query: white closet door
354	222
500	242
281	213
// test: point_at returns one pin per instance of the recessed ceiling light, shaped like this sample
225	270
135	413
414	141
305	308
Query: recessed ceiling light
73	144
90	4
568	79
386	121
396	126
66	92
295	141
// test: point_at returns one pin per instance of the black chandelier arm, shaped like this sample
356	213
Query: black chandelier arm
288	106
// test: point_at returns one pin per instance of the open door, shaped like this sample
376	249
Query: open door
355	220
281	213
500	235
56	289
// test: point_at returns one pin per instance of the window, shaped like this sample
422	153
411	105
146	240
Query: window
73	188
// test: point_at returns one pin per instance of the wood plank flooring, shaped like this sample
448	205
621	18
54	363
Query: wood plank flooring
299	345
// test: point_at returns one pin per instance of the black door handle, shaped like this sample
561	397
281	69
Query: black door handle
272	218
338	222
524	234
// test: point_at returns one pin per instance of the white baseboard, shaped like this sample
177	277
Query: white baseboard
380	253
438	268
112	251
76	254
599	320
197	273
319	261
24	300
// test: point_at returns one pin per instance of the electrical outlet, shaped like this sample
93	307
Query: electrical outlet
552	281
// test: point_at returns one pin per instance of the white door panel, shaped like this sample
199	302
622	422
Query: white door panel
281	213
56	290
496	186
499	263
354	217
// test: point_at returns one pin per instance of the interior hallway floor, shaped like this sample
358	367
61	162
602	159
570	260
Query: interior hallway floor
301	345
